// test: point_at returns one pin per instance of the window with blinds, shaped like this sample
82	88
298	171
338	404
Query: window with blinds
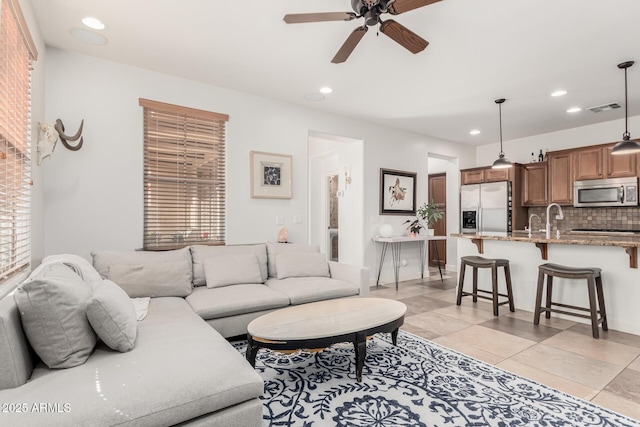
17	50
184	176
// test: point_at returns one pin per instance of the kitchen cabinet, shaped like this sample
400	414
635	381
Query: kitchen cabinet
534	184
621	166
485	174
472	176
560	164
596	162
588	163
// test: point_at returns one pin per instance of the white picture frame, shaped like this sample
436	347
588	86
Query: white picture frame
270	175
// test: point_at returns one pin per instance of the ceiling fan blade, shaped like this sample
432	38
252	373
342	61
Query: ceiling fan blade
300	18
401	6
349	44
403	36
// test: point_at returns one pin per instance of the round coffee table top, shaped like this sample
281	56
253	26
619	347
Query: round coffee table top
326	318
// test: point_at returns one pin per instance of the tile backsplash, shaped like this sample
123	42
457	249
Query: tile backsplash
609	218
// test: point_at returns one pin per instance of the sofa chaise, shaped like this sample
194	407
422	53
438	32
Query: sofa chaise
175	366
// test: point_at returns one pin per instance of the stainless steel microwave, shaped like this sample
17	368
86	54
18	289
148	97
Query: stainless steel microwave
606	192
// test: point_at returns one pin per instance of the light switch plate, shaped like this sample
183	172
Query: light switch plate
279	220
297	219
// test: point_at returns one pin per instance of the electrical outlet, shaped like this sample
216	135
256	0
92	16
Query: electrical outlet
297	219
279	220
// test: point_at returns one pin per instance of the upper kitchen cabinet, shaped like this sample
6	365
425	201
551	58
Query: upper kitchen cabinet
620	166
596	162
560	164
534	184
588	163
485	174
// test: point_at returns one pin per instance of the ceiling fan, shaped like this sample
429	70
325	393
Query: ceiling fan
370	10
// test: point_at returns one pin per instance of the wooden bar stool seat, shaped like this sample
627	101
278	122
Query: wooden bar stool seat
477	262
594	285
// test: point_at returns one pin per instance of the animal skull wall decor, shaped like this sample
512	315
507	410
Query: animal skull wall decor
49	134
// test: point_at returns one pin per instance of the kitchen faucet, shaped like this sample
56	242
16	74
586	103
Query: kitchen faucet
559	216
530	218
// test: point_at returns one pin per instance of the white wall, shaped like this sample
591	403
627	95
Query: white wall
93	197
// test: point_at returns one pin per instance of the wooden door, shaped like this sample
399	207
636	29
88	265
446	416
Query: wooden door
438	193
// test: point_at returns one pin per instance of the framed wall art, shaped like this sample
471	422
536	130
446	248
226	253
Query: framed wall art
270	175
397	192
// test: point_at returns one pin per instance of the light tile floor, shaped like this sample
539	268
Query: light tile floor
559	353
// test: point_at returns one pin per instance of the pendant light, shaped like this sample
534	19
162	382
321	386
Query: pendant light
502	161
626	146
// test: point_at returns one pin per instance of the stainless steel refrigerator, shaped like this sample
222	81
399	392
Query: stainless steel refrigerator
486	208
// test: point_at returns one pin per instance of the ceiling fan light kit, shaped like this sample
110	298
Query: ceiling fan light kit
626	146
370	10
502	162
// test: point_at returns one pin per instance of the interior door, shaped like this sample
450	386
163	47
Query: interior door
438	192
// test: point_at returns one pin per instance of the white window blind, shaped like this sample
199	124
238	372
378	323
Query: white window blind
184	176
17	50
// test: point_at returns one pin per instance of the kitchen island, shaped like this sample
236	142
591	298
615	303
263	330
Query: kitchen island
621	277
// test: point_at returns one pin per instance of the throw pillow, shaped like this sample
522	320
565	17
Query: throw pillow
151	280
273	249
52	307
199	253
147	273
232	269
301	264
113	316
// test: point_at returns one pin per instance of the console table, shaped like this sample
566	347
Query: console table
396	244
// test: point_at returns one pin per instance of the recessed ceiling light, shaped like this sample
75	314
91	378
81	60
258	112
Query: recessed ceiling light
474	132
89	37
574	110
326	90
559	93
93	23
313	97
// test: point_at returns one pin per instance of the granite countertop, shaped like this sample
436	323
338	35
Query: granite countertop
600	239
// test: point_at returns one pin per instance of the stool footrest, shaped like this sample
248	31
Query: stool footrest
471	294
570	313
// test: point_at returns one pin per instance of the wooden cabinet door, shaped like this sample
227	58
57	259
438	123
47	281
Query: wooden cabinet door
620	166
534	185
472	176
492	175
438	193
588	163
560	178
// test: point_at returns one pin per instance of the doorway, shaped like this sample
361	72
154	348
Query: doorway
437	184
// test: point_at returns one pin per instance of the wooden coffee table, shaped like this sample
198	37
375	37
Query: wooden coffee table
323	323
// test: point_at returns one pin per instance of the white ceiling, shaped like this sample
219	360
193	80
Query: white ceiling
480	50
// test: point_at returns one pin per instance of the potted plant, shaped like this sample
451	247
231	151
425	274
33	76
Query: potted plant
414	227
429	213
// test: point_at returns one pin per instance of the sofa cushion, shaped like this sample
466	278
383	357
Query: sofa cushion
302	290
179	370
15	357
234	300
232	269
147	273
273	249
301	264
52	306
200	252
113	316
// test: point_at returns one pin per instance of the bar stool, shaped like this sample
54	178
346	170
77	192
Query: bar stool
493	263
594	285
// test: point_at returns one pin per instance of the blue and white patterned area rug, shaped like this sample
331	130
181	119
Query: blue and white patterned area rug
417	383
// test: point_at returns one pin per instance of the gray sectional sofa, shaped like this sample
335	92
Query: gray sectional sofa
175	366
